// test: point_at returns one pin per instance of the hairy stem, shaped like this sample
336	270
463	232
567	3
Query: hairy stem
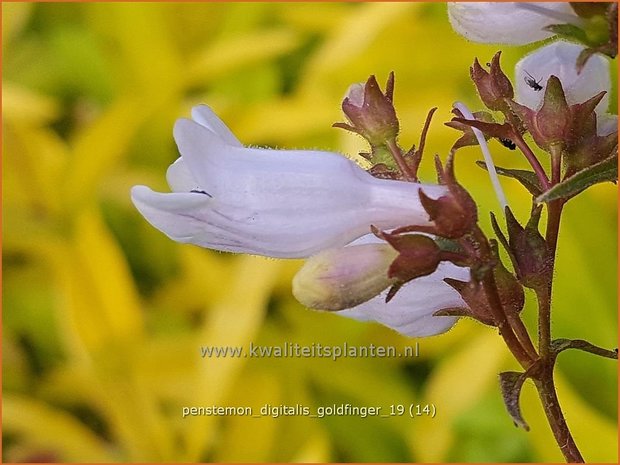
555	416
544	381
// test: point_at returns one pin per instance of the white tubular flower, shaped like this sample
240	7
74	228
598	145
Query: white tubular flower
509	23
559	59
277	203
410	312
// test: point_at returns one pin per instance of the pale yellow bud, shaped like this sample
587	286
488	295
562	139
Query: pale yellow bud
336	279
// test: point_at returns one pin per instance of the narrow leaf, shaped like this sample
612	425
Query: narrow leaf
527	178
510	383
560	345
606	170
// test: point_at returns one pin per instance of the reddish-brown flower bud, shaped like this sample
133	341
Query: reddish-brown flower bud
493	85
528	250
371	112
417	256
454	214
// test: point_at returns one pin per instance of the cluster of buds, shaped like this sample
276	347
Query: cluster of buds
371	114
570	131
344	278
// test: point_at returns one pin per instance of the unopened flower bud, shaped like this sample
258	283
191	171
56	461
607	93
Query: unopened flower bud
493	86
341	278
453	214
371	112
528	250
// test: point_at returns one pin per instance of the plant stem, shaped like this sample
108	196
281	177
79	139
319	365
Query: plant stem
555	416
531	158
544	378
544	295
544	321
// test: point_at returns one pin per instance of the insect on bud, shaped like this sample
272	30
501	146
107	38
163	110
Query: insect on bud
551	125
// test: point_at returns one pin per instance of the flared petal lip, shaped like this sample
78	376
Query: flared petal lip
504	22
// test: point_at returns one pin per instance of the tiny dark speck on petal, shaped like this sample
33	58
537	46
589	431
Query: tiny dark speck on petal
196	191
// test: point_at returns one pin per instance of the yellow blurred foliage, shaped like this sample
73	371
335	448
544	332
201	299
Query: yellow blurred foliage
104	317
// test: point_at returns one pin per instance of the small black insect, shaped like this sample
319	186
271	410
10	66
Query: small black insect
532	82
196	191
508	143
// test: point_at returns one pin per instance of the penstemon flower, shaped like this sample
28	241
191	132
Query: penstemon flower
510	23
294	204
277	203
592	24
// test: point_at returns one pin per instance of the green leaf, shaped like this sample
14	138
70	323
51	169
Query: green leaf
606	170
510	383
528	179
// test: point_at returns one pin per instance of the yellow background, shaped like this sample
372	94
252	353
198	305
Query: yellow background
103	316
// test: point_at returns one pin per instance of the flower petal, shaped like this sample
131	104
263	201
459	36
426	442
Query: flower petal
281	203
180	178
204	116
410	312
507	22
559	59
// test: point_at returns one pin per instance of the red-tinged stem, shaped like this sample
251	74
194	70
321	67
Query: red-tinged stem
514	333
531	158
544	379
555	416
